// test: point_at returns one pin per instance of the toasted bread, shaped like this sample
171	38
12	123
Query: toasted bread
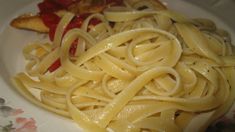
30	22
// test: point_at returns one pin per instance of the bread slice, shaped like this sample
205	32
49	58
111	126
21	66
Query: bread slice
30	22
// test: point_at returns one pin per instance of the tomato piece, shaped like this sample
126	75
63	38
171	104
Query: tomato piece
51	20
75	23
65	3
48	6
52	32
94	22
55	65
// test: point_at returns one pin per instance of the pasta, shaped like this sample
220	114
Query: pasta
141	68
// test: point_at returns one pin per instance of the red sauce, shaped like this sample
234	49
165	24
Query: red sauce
48	6
54	65
50	19
65	3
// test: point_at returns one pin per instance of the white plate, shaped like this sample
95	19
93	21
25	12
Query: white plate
22	114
